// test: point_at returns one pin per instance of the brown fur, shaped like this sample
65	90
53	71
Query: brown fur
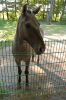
27	39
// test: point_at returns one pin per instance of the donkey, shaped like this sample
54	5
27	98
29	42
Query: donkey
28	38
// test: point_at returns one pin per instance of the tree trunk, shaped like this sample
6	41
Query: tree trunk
27	1
15	8
63	10
50	11
2	10
6	10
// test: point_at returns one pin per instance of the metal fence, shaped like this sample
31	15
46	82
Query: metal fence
49	76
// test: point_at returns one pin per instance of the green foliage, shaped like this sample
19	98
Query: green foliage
57	9
20	3
55	13
12	16
39	16
32	2
7	29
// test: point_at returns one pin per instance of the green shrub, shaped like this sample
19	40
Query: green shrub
12	16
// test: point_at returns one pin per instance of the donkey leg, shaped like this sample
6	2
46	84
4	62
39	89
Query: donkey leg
26	73
19	72
38	60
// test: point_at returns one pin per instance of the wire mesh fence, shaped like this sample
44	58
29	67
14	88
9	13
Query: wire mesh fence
46	77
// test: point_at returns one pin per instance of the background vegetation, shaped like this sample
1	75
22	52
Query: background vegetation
52	16
51	10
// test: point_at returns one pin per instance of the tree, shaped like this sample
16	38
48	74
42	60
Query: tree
63	9
15	8
50	11
6	9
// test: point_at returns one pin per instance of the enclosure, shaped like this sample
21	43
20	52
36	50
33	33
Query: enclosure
46	77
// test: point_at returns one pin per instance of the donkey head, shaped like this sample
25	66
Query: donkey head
31	29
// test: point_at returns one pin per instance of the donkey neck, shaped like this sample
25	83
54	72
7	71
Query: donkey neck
18	41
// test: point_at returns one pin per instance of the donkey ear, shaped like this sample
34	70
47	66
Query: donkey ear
36	10
24	9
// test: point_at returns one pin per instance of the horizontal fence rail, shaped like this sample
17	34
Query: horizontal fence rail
48	76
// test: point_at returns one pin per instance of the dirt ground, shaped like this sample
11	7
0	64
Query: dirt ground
60	96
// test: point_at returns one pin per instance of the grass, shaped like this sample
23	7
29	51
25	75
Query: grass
8	29
54	28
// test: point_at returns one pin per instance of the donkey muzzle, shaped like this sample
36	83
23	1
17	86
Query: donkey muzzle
41	50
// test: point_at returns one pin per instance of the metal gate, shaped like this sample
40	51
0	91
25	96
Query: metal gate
47	77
